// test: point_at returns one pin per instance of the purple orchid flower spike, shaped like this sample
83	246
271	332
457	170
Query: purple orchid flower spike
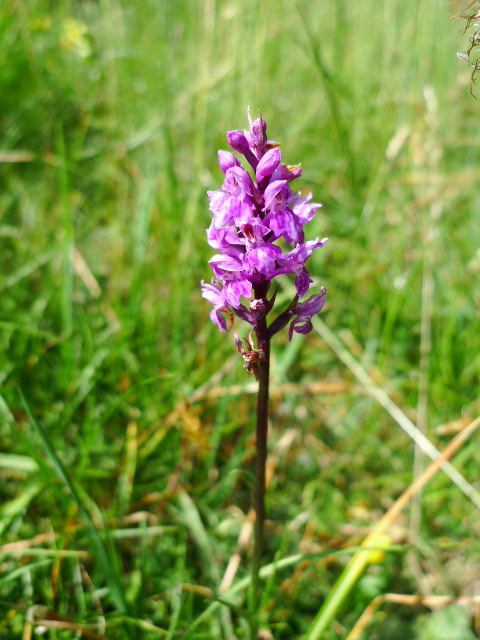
257	230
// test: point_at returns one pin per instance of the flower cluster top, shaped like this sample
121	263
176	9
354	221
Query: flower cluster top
251	214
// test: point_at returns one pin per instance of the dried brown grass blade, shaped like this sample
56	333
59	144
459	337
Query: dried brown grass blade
394	410
389	517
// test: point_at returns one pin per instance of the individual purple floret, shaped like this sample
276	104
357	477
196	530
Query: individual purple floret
257	232
305	311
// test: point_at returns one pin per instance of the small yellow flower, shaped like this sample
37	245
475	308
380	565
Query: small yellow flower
74	37
377	544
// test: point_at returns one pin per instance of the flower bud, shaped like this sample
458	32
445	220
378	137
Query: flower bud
238	141
258	131
267	164
226	160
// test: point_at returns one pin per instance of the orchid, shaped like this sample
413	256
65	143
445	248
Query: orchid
257	231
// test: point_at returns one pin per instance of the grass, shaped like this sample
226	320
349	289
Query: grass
126	418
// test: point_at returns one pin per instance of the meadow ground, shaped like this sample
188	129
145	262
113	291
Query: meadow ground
126	417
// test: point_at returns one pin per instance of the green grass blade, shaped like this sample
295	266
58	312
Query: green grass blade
112	578
338	595
12	508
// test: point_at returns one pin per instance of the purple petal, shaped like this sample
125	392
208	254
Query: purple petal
241	211
216	237
261	259
253	232
217	318
288	172
225	266
213	293
312	305
237	182
220	207
295	325
226	160
305	310
305	211
225	241
300	254
257	136
238	141
302	282
284	225
268	163
235	289
277	196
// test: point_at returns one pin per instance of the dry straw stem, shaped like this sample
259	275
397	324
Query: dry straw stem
40	618
394	410
432	602
375	539
12	157
276	390
422	479
388	519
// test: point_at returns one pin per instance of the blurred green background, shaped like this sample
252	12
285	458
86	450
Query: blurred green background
111	115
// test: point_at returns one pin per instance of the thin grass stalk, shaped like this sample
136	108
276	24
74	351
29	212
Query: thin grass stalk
429	235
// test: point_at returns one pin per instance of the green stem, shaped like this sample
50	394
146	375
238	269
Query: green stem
263	338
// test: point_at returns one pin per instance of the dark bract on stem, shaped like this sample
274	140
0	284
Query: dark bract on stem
284	318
